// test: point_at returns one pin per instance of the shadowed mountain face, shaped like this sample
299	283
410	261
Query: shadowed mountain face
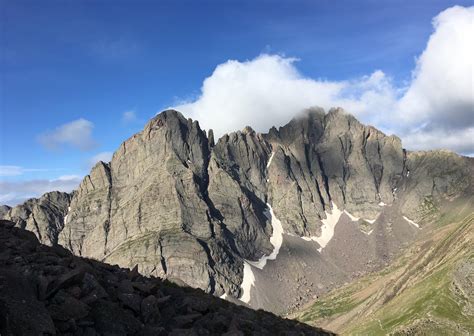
44	216
181	206
48	291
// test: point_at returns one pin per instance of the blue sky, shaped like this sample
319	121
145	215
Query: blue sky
64	61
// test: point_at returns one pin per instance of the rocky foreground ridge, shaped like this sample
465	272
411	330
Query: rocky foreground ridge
182	206
48	291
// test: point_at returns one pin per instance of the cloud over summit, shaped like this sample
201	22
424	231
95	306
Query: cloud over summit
437	102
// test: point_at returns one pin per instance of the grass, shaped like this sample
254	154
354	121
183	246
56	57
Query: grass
416	290
430	298
326	308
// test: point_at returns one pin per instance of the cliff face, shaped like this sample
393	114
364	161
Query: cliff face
49	291
44	216
183	207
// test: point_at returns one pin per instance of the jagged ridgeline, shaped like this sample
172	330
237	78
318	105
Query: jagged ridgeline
181	206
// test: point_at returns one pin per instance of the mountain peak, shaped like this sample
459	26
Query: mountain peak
248	130
180	206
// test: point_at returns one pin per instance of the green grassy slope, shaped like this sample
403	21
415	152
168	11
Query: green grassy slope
426	291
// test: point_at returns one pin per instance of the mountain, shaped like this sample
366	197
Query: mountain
275	220
428	290
44	216
48	291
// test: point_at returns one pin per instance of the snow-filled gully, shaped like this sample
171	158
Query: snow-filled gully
327	229
276	240
327	233
411	222
270	160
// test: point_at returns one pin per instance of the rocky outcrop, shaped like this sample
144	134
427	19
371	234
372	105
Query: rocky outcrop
181	205
4	210
44	216
149	206
321	158
48	291
434	177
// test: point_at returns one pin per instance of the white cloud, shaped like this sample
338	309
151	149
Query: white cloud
103	156
439	98
129	116
77	133
442	91
262	92
461	140
13	193
17	170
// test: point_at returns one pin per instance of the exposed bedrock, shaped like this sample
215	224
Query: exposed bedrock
186	207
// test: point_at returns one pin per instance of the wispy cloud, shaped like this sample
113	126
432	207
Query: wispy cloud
18	170
115	49
437	101
103	156
77	134
129	117
13	193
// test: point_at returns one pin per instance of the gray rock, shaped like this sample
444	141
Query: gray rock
22	313
44	216
4	209
109	319
150	309
190	209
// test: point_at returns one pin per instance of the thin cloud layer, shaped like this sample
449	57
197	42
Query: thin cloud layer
438	100
103	156
76	134
17	170
129	116
13	193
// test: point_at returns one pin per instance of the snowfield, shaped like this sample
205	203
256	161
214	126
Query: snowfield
276	240
411	222
270	160
327	230
65	217
353	218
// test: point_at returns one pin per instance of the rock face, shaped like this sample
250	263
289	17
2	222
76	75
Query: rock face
48	291
182	206
44	216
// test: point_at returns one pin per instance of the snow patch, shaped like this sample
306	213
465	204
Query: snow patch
382	204
247	282
65	217
327	230
276	240
371	221
353	218
223	296
411	222
270	160
394	192
368	233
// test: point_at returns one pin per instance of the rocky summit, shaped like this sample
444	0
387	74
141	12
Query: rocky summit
49	291
272	219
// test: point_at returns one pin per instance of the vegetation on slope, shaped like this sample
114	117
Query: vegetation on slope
428	290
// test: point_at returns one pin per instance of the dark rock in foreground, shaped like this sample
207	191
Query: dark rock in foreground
48	291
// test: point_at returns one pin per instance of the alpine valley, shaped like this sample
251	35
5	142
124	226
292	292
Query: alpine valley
324	219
